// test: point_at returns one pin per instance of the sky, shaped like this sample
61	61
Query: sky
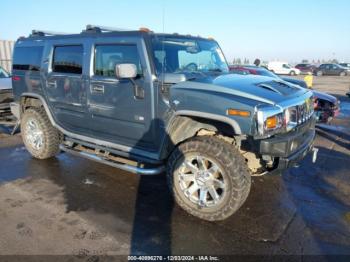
266	29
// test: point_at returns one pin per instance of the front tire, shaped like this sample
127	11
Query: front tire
208	177
40	138
342	74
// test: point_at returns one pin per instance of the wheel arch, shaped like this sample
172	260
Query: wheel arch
187	124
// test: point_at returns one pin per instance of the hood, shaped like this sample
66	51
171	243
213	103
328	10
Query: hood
298	82
260	88
5	83
325	96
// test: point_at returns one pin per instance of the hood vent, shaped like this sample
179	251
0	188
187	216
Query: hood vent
267	86
279	87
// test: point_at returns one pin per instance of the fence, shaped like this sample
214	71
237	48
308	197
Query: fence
6	48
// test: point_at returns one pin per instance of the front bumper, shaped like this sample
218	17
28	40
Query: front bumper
290	148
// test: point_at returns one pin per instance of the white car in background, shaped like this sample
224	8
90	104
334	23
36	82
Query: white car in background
6	95
282	68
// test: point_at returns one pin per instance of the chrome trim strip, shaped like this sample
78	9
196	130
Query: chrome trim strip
125	167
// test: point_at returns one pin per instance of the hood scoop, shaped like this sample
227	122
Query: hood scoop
267	86
278	87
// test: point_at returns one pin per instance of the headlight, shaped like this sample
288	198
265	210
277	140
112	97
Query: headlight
269	119
275	119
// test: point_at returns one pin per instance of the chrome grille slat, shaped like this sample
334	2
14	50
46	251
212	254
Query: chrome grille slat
301	113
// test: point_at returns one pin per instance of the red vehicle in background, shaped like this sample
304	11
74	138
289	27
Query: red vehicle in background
306	68
326	106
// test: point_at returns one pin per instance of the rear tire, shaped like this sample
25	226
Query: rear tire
208	178
40	138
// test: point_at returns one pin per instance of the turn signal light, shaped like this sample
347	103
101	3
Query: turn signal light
271	122
144	29
235	112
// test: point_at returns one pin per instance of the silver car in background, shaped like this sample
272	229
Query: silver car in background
6	95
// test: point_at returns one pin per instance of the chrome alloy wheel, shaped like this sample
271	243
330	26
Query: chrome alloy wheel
34	135
201	181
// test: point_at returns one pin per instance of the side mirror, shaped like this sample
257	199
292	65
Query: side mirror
125	71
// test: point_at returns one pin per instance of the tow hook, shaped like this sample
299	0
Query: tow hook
314	154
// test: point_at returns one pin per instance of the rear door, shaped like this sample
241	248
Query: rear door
122	110
66	84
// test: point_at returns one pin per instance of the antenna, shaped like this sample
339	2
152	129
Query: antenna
163	58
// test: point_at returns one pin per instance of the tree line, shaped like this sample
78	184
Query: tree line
245	61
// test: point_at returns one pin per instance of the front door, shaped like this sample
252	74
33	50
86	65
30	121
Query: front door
66	87
121	109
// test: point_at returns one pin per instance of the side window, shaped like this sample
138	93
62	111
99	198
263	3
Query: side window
27	58
107	56
68	59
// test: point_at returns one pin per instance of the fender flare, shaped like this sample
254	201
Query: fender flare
182	126
233	123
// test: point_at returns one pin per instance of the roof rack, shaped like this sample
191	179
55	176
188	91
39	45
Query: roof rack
100	29
45	33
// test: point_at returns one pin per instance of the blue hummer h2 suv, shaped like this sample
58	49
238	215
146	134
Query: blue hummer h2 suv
152	103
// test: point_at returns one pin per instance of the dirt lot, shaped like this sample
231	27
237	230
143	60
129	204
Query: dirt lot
72	206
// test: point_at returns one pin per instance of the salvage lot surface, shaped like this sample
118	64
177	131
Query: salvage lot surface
69	205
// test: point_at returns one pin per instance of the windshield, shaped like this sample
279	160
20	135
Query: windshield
182	55
265	72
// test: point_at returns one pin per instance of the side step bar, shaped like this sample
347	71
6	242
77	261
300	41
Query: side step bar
125	167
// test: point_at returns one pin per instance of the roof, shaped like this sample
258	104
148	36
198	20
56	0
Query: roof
92	30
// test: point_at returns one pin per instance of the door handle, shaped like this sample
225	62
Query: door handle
52	83
97	89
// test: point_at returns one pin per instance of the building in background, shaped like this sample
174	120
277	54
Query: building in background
6	48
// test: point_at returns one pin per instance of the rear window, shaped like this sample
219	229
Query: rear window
27	58
68	59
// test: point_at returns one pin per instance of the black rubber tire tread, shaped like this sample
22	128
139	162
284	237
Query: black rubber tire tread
51	135
234	165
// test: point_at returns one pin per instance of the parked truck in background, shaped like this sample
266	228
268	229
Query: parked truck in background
151	103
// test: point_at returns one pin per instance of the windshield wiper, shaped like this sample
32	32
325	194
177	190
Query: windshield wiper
215	70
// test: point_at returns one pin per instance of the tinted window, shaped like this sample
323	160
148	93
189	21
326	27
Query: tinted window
68	59
27	58
108	56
